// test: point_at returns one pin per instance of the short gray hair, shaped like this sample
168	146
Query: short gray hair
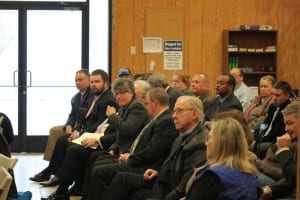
145	86
292	108
158	80
195	104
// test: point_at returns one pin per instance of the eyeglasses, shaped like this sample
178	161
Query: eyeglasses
179	111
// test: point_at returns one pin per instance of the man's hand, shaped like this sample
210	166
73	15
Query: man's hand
73	136
150	174
69	129
123	157
111	152
110	110
89	142
283	141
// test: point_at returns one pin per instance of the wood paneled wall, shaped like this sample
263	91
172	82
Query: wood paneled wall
204	22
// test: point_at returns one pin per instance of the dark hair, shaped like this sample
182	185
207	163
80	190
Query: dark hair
160	95
102	73
231	80
84	71
284	86
123	85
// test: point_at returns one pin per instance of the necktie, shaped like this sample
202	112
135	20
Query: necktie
91	107
271	124
137	139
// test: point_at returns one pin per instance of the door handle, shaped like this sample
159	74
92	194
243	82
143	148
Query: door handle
14	78
30	78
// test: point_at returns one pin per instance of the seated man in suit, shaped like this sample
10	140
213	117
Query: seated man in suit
225	101
200	88
274	121
188	152
148	150
79	102
286	153
160	81
92	118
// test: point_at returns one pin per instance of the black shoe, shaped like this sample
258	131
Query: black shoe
56	196
54	180
40	177
76	190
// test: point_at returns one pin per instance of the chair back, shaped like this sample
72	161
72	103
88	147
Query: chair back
6	162
5	182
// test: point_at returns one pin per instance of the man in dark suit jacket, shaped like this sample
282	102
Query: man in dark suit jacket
149	149
80	103
129	121
159	80
275	125
93	117
188	152
226	99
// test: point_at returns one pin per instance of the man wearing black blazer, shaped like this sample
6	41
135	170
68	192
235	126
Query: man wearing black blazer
149	149
188	151
94	116
225	99
275	124
79	103
159	80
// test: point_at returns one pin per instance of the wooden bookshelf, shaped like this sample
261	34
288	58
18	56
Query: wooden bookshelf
250	53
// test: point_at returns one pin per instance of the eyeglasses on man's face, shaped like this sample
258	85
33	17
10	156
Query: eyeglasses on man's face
179	111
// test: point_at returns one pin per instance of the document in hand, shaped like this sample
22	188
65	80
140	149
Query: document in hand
87	135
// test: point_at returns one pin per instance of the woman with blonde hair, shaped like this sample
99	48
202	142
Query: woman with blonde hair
228	174
258	110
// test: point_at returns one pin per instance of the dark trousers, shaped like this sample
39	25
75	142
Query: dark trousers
74	164
94	159
127	185
59	153
101	176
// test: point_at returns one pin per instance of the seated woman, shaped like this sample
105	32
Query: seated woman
228	174
257	111
181	82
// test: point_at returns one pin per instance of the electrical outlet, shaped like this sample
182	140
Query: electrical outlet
132	50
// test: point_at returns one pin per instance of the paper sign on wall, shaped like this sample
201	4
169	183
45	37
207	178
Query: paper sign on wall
173	55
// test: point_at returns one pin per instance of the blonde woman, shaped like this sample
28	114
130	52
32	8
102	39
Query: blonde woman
258	110
228	174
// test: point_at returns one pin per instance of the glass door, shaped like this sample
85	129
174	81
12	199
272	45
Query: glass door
40	51
9	65
53	57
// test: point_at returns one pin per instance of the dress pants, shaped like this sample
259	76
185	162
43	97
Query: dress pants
76	159
59	153
127	185
96	158
101	176
54	133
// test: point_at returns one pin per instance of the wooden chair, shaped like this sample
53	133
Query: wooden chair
6	162
5	182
